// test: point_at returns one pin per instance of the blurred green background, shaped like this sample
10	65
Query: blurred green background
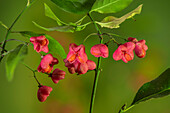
118	81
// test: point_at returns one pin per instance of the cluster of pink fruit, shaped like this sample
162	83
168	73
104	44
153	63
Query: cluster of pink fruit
77	60
46	66
125	51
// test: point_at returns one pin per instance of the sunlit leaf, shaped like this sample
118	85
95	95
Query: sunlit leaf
75	6
110	6
28	3
54	46
114	22
14	58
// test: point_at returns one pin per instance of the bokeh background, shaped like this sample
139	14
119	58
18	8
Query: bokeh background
118	81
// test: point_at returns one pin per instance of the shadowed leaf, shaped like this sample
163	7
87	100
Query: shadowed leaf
14	58
159	87
75	6
156	88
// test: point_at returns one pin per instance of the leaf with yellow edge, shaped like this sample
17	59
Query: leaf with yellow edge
114	22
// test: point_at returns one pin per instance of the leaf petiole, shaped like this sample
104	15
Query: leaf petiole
5	26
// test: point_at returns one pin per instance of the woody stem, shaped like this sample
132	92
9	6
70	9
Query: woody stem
97	72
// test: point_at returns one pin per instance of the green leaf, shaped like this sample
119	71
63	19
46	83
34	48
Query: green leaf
75	6
14	58
156	88
62	27
159	87
110	6
114	22
54	46
49	13
68	28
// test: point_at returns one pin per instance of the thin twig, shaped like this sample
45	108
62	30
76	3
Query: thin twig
89	36
10	28
33	73
111	34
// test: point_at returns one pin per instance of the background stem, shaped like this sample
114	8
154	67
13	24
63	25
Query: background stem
97	72
9	30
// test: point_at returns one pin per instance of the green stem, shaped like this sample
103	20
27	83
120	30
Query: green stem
97	72
6	27
110	34
10	28
33	73
28	67
125	110
89	36
112	39
97	28
36	80
80	21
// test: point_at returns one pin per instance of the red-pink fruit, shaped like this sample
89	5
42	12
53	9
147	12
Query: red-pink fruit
82	68
43	93
124	52
131	39
47	63
57	75
40	43
100	50
76	53
140	48
91	65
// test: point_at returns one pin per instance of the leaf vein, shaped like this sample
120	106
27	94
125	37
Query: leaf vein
107	5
